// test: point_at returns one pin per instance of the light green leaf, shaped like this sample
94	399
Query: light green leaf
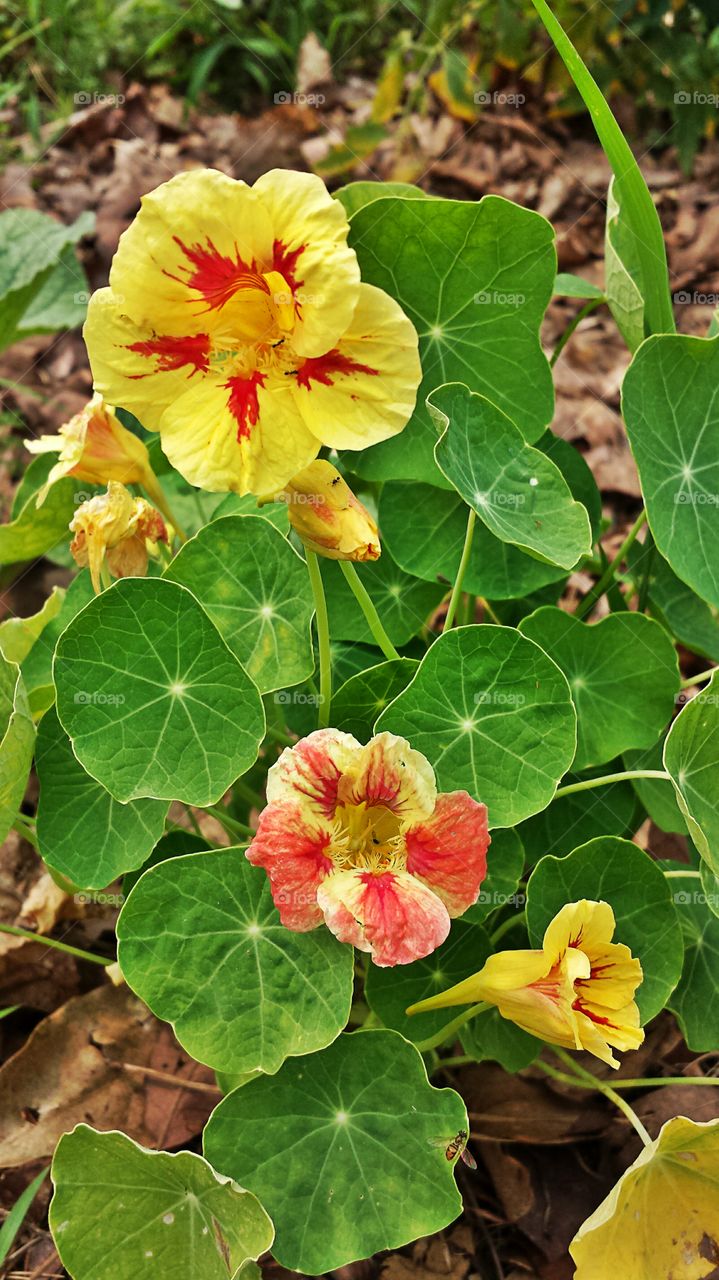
493	715
505	863
154	702
423	528
693	622
623	674
37	666
235	504
253	585
567	285
622	272
691	757
670	408
61	302
475	279
120	1212
30	242
361	699
18	635
82	831
514	489
37	530
339	1148
618	872
389	992
200	941
695	1000
17	737
355	195
404	603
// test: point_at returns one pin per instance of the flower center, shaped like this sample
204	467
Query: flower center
367	837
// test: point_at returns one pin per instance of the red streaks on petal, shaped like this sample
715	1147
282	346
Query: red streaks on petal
402	920
597	1018
293	852
324	369
313	772
285	260
172	353
215	275
449	850
242	402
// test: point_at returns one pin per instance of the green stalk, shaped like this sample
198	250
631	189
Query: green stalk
457	588
582	314
628	774
595	1083
586	605
449	1030
230	824
17	932
26	830
692	680
364	601
323	638
633	193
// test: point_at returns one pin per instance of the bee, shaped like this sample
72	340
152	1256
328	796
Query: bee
456	1146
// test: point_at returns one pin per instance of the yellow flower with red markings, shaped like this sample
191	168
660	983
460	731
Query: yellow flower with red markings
237	326
327	516
117	530
578	991
358	837
95	447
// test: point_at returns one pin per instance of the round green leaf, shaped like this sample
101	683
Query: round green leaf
362	698
339	1148
691	757
389	992
695	1001
475	278
17	737
689	619
424	528
618	872
669	407
583	815
623	674
355	195
120	1212
151	697
82	831
253	585
403	603
200	941
516	490
505	863
493	715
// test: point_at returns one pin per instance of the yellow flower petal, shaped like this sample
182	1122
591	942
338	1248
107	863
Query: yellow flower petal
580	924
389	773
326	515
311	254
364	390
661	1220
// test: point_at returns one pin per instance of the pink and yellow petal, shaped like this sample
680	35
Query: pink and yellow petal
389	773
293	849
311	255
391	914
199	242
448	851
310	772
237	433
362	390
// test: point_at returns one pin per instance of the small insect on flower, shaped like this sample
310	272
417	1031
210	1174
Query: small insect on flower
456	1146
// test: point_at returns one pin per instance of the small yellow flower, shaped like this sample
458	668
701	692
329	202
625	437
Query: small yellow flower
578	991
237	326
95	447
328	517
115	529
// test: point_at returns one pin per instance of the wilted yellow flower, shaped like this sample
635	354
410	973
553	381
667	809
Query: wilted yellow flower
328	517
661	1220
237	326
114	528
95	447
578	991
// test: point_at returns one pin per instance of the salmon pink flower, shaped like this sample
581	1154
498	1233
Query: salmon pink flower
357	836
578	991
236	325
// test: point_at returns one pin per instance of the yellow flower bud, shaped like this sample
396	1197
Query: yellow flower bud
328	517
95	447
117	530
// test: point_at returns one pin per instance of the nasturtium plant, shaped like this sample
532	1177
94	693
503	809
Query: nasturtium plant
346	696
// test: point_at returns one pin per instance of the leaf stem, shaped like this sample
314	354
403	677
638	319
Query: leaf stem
607	1090
17	932
586	605
230	824
692	680
26	830
588	783
464	561
365	603
584	311
323	638
506	925
433	1041
683	875
277	735
637	1082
